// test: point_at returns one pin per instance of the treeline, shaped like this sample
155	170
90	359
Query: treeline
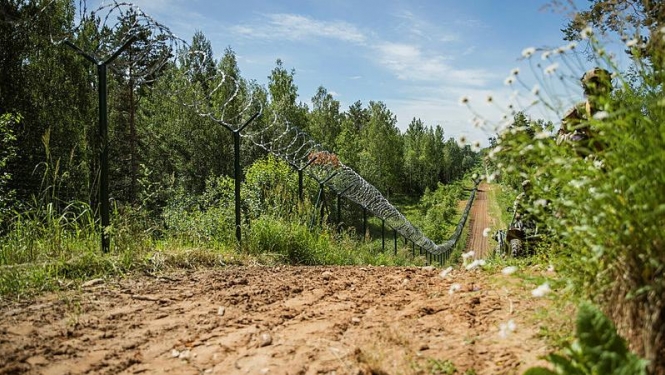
50	140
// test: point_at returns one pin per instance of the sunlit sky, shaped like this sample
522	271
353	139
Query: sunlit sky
418	57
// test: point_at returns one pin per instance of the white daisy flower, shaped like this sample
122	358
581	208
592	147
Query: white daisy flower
601	115
535	90
454	288
528	52
541	290
509	270
586	33
445	272
476	263
506	328
540	202
542	135
551	68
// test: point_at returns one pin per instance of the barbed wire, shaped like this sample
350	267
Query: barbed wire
228	101
298	148
120	31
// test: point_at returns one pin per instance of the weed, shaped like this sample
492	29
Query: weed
598	349
442	367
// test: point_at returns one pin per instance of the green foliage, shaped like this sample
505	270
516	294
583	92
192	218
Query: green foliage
630	18
209	217
325	118
7	153
284	94
381	158
271	188
423	156
440	209
293	242
597	350
446	367
601	199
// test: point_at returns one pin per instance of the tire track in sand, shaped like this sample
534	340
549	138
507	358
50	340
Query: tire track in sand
478	221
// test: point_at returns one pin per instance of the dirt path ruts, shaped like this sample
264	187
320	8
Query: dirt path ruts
479	219
274	320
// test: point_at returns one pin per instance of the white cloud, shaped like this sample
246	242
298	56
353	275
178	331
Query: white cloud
453	118
177	15
419	28
409	62
298	27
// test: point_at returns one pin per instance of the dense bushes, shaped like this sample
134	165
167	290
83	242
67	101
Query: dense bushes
606	207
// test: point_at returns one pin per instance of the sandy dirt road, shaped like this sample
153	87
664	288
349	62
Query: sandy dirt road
479	220
278	320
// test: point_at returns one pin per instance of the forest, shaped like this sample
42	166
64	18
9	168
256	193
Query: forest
159	148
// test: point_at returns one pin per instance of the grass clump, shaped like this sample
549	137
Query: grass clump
600	199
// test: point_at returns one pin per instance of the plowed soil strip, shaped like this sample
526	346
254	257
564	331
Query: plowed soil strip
479	219
278	320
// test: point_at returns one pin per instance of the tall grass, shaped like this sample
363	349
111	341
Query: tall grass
51	245
604	207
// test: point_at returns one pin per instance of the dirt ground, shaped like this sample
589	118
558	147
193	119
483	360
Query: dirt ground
281	320
479	220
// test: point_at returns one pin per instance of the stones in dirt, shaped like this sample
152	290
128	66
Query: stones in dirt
265	339
239	281
326	275
91	283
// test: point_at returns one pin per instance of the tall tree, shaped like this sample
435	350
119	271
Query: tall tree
382	157
325	118
349	143
284	94
181	145
414	143
49	87
140	64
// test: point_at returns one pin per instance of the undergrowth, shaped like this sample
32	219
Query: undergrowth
51	245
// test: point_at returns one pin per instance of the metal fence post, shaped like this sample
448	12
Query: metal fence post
383	235
103	134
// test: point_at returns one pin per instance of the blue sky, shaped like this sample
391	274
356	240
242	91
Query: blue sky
418	57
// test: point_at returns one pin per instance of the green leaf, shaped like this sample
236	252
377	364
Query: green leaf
564	365
598	339
539	371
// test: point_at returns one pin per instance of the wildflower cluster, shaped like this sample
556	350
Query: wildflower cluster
596	195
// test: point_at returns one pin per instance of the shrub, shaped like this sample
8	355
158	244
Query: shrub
605	205
598	349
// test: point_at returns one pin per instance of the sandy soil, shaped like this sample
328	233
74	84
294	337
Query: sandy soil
282	320
478	221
